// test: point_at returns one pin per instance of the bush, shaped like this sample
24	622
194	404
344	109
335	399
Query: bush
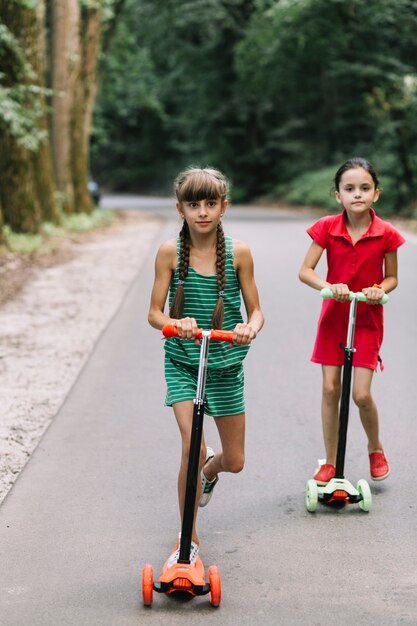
316	189
81	222
23	243
78	222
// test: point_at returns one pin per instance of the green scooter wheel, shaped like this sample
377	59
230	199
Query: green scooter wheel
312	495
364	490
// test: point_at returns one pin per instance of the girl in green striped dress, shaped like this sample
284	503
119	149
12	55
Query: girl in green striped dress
203	274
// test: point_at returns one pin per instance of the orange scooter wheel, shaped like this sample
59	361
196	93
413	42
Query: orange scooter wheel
215	585
147	585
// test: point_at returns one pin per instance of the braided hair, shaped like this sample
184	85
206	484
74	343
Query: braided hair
196	184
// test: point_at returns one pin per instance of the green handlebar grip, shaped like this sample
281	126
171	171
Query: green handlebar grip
327	293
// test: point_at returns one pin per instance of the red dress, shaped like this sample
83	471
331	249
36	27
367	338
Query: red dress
357	265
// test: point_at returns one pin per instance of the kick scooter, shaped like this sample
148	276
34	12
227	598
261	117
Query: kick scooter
338	490
183	576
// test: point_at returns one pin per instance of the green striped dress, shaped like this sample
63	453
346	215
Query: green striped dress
201	295
225	376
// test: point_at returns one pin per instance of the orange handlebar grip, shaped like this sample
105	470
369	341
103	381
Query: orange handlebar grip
169	330
222	335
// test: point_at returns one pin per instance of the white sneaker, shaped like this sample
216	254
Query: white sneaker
207	486
194	550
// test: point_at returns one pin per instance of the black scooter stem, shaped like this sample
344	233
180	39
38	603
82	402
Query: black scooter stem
194	454
344	414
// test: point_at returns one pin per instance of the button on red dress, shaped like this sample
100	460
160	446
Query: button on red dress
357	265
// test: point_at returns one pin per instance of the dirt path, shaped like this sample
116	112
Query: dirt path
52	310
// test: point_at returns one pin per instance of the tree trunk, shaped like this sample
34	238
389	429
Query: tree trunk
83	104
19	201
42	159
20	205
65	63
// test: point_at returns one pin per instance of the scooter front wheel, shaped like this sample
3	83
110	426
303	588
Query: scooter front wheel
147	585
312	495
365	494
215	585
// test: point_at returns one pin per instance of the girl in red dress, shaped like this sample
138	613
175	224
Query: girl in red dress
361	253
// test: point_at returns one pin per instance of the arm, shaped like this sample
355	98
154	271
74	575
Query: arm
390	281
165	265
164	268
246	332
307	272
308	275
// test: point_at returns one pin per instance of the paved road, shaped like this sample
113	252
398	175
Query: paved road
97	499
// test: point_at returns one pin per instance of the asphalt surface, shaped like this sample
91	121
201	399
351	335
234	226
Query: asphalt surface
98	498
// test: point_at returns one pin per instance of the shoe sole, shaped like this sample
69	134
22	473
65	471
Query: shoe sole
381	477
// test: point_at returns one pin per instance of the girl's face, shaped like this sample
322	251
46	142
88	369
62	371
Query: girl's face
202	216
357	191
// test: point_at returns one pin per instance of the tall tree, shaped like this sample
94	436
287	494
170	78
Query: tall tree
65	63
23	149
84	99
42	158
76	39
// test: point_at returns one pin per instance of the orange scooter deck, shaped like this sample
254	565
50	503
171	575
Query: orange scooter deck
184	577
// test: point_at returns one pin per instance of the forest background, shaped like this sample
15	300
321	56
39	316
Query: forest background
277	94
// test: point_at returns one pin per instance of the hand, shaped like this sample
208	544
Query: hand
373	294
340	292
243	334
187	327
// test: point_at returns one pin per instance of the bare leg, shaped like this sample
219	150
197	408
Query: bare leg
232	436
330	410
184	415
368	412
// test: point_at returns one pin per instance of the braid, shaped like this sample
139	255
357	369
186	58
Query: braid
177	305
218	313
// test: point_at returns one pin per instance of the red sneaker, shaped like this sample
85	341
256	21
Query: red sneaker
325	473
378	466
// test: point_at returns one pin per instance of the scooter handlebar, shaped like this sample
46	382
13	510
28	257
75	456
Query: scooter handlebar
169	330
327	294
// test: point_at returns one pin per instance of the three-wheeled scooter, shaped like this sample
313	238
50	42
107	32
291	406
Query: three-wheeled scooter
339	490
184	576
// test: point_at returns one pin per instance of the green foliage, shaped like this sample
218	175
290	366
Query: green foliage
44	240
124	145
316	189
82	222
26	243
20	107
265	90
18	118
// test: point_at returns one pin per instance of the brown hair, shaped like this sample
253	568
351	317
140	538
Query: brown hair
353	164
196	184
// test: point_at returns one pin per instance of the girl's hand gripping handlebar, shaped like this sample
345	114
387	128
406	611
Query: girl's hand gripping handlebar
327	294
169	330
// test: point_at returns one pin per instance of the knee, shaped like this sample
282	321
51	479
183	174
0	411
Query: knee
331	391
234	464
362	398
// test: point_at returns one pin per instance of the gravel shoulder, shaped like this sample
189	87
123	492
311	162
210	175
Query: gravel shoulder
53	308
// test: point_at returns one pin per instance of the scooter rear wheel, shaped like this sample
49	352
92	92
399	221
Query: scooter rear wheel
312	495
147	585
215	585
364	490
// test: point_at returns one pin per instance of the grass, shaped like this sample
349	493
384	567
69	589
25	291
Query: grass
316	189
45	240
